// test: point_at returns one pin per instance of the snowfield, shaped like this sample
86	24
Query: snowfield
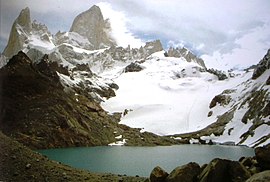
169	96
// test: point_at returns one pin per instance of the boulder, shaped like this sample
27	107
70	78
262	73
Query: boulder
158	175
263	157
223	170
185	173
260	177
220	74
221	99
133	67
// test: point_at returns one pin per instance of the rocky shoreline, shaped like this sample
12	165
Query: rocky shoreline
250	169
19	163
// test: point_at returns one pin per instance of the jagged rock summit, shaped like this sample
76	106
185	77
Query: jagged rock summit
92	25
18	34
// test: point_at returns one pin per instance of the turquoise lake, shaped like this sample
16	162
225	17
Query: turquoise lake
141	160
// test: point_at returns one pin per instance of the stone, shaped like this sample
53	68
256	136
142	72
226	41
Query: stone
185	173
210	113
260	177
92	25
247	161
223	170
221	99
220	74
263	157
133	67
28	166
158	175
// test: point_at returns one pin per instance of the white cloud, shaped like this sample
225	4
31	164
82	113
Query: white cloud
209	27
252	47
118	23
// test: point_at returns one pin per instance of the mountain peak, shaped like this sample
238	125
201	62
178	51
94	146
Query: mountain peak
24	19
92	25
21	26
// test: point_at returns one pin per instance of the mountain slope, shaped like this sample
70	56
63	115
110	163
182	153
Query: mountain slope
39	110
241	113
168	96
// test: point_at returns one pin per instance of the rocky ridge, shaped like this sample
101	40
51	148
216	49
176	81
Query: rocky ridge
184	52
41	111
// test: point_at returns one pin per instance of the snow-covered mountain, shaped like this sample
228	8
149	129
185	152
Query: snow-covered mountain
168	96
164	92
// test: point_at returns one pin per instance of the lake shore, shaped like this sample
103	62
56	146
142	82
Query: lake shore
19	163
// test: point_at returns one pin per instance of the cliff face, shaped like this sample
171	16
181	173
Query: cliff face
92	25
19	33
263	65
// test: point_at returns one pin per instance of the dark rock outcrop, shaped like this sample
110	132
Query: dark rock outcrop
263	65
221	99
220	74
224	171
133	67
263	156
185	173
36	110
158	175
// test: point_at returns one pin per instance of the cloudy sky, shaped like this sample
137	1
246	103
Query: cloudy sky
224	33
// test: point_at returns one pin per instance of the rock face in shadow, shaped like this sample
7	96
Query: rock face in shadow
263	157
185	173
92	25
158	175
36	110
224	171
263	65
